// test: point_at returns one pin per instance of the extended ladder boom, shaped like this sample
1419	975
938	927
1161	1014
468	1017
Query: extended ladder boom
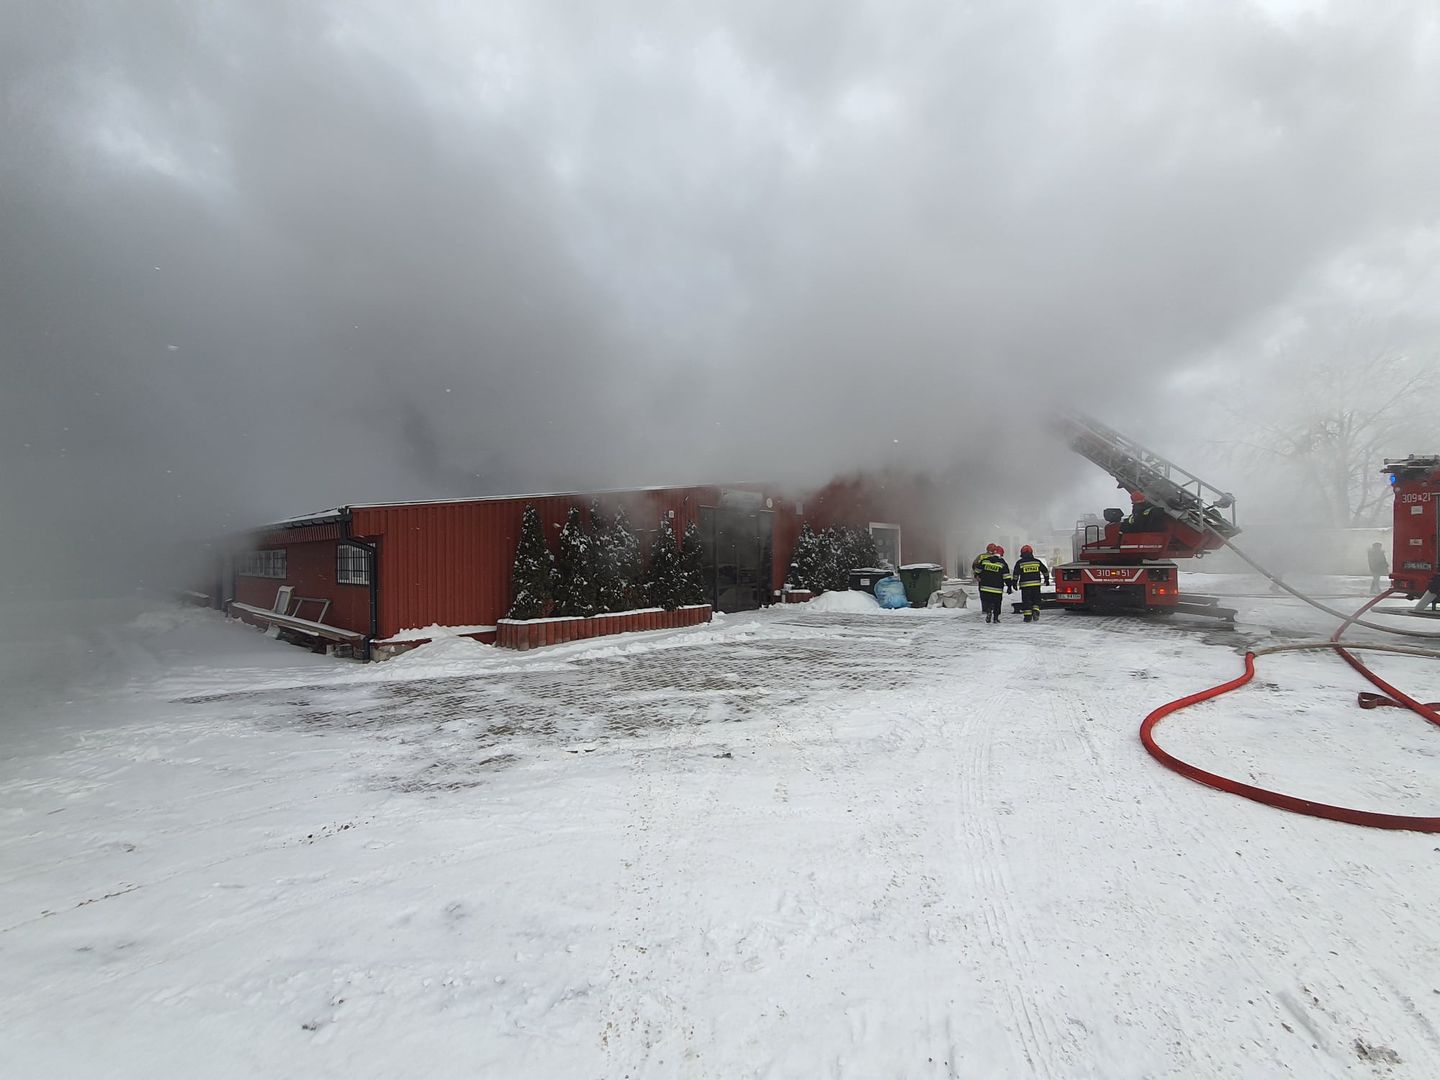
1179	493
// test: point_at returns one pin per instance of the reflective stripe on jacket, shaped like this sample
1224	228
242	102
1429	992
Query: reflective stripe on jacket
1031	572
994	574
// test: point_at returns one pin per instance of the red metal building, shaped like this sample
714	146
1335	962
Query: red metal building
381	569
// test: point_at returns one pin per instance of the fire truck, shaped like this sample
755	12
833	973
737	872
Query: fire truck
1127	561
1416	557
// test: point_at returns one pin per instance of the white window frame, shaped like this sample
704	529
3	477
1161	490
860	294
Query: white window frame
262	563
899	551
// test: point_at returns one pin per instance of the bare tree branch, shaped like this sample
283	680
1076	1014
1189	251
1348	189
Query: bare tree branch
1332	418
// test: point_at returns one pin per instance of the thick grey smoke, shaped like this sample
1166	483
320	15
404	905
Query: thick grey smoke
264	258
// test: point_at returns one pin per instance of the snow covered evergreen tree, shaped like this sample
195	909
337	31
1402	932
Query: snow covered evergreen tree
843	548
532	578
575	591
866	549
607	594
692	568
809	561
624	552
834	575
857	549
662	577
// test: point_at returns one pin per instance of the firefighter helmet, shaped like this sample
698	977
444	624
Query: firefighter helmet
990	549
999	550
1027	550
1137	496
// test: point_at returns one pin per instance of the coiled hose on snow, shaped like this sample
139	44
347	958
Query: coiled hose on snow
1308	807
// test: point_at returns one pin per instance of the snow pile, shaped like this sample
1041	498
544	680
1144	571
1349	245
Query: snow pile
435	632
442	649
850	601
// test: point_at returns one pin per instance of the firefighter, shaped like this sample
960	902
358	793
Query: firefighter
1029	573
975	563
1142	514
1378	566
993	577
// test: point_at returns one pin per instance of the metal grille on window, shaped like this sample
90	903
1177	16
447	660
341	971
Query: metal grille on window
352	565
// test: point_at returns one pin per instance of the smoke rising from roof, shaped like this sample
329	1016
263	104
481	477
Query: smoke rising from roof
261	259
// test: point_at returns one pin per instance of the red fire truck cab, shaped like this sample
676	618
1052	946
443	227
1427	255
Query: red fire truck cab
1416	557
1121	566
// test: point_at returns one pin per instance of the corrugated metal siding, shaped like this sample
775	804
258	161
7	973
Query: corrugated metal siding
310	568
304	535
450	563
443	564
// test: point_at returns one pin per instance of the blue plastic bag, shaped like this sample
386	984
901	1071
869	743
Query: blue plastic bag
890	591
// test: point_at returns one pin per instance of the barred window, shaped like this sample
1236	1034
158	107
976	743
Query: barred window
267	563
352	565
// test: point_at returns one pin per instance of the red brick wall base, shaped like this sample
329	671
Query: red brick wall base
528	634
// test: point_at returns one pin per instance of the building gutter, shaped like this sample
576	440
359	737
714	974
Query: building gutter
372	557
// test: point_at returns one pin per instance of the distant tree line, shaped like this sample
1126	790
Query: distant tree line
599	567
822	561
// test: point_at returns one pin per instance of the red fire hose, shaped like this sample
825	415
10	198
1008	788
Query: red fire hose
1274	798
1429	712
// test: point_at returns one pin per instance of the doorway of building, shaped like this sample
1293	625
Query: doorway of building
738	551
887	542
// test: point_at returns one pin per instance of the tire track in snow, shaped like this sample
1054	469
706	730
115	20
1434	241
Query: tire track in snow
942	733
643	1029
1133	796
1307	964
1040	1041
837	743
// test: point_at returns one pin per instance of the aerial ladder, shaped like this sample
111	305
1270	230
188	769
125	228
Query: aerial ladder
1127	562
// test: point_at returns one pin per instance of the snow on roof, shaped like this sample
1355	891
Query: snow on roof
325	517
554	495
318	517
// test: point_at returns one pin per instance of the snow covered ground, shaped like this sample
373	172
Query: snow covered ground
794	843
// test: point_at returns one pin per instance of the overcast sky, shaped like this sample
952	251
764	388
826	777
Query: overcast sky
264	258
